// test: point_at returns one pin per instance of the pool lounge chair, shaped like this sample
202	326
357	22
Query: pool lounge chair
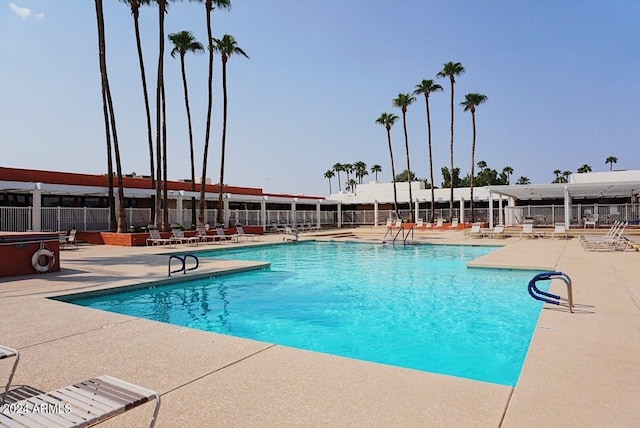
6	352
221	236
241	234
178	235
439	223
474	232
69	241
454	224
203	236
527	230
496	232
155	238
82	404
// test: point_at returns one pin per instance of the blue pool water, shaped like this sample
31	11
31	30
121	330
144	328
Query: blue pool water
418	307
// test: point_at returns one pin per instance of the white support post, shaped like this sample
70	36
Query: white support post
179	207
461	219
263	213
225	204
294	220
36	214
339	214
500	212
318	214
491	208
567	208
417	210
375	213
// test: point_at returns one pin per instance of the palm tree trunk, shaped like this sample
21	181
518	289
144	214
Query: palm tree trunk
393	174
224	140
135	12
473	159
186	103
433	192
106	92
159	156
201	216
165	190
451	150
406	144
113	222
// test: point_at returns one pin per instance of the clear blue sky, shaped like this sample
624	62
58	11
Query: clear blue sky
562	80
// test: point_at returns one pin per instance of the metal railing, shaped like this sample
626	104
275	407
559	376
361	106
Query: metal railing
20	219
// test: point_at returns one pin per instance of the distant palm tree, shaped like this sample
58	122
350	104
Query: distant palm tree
337	167
557	173
227	47
611	160
565	176
110	119
387	120
426	87
584	168
329	175
376	169
403	101
360	169
183	43
523	180
481	164
471	101
209	6
161	143
451	70
508	171
351	185
135	11
348	169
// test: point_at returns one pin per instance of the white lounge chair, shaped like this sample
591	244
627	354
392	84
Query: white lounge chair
82	404
69	241
178	235
203	236
241	234
613	241
221	236
155	238
439	223
474	232
6	352
497	232
454	224
527	230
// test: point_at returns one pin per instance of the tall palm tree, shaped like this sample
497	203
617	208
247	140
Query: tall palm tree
209	6
584	169
348	169
376	169
611	160
403	101
161	197
523	180
329	175
565	176
451	70
352	183
183	43
135	11
110	116
427	87
508	171
387	120
471	101
481	164
226	47
557	173
337	167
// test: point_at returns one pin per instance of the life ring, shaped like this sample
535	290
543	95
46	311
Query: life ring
42	260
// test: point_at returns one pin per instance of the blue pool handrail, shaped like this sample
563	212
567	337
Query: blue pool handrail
183	260
543	296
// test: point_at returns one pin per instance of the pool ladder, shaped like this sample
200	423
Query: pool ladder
183	260
405	236
554	299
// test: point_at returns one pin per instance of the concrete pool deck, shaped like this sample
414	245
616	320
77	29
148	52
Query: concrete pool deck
582	369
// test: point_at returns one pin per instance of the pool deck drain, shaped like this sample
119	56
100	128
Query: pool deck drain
581	369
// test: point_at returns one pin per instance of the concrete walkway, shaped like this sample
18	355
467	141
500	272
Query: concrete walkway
582	369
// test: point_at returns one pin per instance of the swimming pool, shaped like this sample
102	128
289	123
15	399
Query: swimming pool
418	307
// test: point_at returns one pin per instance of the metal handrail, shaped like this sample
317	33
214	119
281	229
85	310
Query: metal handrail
543	296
